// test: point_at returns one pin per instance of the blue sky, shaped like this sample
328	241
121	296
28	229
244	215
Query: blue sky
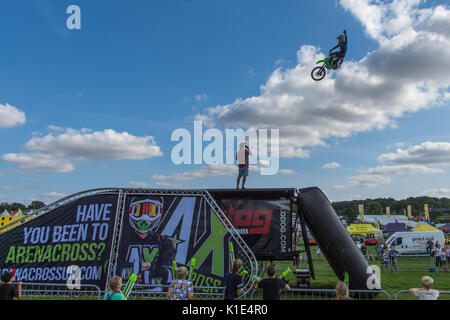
96	107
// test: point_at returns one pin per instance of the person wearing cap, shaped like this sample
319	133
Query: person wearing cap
8	291
339	55
242	159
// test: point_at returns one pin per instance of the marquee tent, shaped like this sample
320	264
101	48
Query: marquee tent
362	229
425	227
395	227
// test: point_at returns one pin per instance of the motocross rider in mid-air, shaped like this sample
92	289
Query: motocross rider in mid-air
338	57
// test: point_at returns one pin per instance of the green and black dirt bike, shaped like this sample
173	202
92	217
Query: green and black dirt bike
318	73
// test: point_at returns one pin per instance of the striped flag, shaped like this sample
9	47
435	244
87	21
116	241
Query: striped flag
426	211
361	212
409	212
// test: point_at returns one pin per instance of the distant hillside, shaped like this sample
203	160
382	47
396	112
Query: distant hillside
349	209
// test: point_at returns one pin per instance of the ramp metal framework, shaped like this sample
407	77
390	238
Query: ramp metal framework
122	194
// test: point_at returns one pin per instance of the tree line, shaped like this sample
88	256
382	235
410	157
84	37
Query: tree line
15	206
348	210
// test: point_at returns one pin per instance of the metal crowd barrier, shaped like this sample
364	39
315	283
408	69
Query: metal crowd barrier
59	291
323	294
414	297
160	292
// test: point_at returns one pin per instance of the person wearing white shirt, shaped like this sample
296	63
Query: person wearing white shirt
425	293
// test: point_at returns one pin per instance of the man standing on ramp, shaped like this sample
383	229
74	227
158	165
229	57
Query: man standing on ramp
242	159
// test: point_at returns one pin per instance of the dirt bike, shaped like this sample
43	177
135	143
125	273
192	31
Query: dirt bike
318	73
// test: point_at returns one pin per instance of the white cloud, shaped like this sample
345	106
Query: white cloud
363	181
331	165
402	169
168	184
86	143
38	162
408	72
203	172
338	186
213	170
264	163
10	116
139	184
201	97
55	194
286	171
383	20
425	153
9	188
437	193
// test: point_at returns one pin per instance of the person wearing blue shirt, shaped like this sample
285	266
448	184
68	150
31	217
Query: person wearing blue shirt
338	56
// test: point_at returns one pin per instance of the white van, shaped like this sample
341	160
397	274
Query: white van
414	242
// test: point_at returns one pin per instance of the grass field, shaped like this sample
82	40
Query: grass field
411	270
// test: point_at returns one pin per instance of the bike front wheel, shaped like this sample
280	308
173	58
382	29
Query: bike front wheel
318	73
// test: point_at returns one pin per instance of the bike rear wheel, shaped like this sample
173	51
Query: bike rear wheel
318	73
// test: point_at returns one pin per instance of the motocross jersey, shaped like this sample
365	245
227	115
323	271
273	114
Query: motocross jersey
155	249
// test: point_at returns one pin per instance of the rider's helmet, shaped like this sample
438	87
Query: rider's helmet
340	38
145	214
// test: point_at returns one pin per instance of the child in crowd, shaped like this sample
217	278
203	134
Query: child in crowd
318	253
342	292
181	289
385	259
425	293
8	291
444	259
272	286
233	281
114	293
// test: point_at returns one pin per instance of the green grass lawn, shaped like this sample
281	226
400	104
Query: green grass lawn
411	270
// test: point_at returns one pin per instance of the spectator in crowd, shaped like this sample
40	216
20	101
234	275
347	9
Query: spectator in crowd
181	289
272	286
233	281
114	293
429	246
425	293
447	251
305	257
378	250
437	244
8	291
393	258
386	259
242	159
297	257
437	255
363	248
342	292
444	259
318	253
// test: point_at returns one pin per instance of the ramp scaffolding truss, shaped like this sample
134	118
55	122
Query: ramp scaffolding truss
286	197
